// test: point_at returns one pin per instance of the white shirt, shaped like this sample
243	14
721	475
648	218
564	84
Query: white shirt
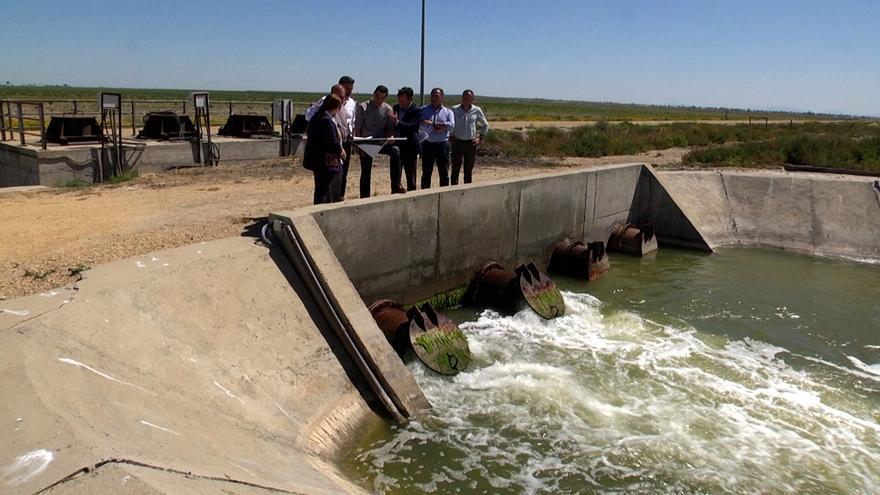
344	117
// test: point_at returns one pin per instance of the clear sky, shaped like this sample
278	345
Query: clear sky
819	55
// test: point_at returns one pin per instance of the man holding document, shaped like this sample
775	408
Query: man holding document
437	122
375	118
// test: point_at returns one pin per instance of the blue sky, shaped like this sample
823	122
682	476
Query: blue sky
778	54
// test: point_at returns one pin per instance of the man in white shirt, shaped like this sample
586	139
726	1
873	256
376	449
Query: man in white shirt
344	118
470	128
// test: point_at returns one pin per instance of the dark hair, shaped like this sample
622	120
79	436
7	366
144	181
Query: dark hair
346	80
406	90
337	87
331	102
381	90
440	90
468	92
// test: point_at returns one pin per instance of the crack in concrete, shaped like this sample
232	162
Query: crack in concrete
88	469
729	208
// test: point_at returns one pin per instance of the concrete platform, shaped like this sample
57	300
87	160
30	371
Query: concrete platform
29	165
194	370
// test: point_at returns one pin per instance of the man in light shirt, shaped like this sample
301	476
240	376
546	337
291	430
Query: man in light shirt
344	117
375	118
471	127
437	122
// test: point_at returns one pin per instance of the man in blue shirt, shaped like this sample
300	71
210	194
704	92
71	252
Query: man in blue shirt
437	123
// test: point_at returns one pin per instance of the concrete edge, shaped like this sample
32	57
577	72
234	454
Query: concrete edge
703	244
395	378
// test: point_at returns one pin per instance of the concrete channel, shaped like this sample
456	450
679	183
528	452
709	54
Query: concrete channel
233	366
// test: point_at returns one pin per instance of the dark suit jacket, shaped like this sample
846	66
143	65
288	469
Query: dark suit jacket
408	127
322	140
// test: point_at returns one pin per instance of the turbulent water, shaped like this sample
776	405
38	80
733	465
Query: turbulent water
747	371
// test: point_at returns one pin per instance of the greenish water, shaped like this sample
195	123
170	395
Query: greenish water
745	371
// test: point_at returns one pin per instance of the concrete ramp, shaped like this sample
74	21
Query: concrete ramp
194	370
822	214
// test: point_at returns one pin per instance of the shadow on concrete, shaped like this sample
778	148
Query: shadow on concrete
276	253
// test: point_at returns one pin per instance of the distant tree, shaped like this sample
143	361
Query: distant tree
8	83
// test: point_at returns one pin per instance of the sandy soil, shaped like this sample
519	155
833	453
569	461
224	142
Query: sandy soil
49	234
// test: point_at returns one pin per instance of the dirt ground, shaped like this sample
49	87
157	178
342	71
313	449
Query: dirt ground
48	235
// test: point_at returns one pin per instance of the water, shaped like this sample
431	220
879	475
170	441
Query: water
746	371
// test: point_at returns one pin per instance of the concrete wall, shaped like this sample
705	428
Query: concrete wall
811	213
412	247
29	167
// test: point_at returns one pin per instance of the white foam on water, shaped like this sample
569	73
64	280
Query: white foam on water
613	401
874	369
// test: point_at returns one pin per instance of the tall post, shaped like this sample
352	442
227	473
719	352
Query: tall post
422	78
133	128
2	121
20	124
42	125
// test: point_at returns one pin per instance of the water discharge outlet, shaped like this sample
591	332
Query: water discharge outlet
433	337
578	260
494	287
633	240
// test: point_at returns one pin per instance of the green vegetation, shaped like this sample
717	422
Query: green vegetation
75	184
527	109
124	177
444	300
857	153
852	144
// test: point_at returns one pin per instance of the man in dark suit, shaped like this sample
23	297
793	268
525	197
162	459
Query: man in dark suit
407	117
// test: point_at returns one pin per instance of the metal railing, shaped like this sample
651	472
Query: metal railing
19	115
36	111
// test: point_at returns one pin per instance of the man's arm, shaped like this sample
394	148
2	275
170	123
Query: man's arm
482	124
358	120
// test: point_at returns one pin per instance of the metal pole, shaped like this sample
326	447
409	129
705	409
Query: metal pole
42	125
184	106
2	121
20	124
74	106
230	108
133	130
422	78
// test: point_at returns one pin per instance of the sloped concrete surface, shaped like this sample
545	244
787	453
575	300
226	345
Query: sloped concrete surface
193	370
824	214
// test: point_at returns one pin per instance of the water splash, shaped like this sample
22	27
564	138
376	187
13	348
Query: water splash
614	402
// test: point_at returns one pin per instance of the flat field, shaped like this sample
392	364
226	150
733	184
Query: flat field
499	109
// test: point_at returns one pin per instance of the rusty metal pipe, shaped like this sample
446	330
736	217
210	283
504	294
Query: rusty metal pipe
578	260
495	287
633	240
393	320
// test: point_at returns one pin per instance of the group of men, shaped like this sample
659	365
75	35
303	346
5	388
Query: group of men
432	132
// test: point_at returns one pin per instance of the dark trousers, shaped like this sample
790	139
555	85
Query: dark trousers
467	151
432	152
328	186
346	145
408	159
367	168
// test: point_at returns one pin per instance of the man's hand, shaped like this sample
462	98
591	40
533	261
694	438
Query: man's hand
393	117
478	140
342	154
